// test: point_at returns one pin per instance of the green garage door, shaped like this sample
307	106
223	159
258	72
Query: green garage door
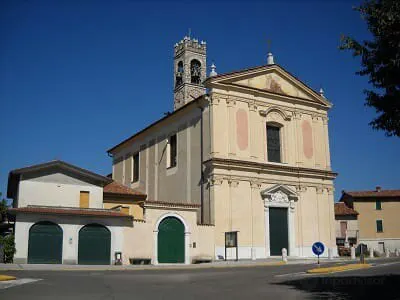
45	244
171	241
278	230
94	246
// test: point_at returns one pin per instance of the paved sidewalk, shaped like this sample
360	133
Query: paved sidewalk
215	264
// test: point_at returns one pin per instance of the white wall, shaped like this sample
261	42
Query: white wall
57	190
70	227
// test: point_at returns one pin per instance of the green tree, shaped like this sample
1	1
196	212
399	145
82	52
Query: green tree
6	242
3	208
380	61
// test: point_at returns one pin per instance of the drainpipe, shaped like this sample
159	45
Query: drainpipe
201	167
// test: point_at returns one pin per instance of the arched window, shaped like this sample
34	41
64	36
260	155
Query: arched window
179	74
274	143
195	71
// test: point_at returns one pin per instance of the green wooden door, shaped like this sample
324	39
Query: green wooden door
278	230
45	244
94	246
171	241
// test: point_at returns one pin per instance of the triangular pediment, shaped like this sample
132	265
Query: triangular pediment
279	193
269	79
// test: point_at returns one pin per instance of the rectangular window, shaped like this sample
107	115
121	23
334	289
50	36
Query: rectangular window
273	144
135	167
378	205
84	200
343	228
379	226
172	151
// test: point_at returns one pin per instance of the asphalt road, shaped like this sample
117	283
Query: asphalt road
268	282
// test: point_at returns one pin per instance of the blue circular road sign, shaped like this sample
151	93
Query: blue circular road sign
318	248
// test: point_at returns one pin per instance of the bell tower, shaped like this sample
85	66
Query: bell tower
189	70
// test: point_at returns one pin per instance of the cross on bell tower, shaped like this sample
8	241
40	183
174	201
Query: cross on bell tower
189	70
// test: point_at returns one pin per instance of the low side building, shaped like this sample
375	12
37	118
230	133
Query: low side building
378	219
346	223
60	216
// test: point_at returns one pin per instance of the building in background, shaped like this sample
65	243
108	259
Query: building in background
346	222
378	217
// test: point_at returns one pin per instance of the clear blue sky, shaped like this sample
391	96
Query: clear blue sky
77	77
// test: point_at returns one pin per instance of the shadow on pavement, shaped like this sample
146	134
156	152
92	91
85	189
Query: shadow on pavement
351	287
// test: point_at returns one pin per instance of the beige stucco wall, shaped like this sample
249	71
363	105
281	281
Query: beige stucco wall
239	206
389	214
135	209
140	242
180	184
227	131
238	133
57	190
352	226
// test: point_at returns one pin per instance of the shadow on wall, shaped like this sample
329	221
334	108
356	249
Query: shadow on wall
349	287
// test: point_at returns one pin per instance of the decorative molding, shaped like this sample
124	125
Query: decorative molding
252	106
261	104
214	99
297	115
231	101
330	190
255	184
325	120
301	188
319	189
216	180
279	196
233	183
315	118
266	168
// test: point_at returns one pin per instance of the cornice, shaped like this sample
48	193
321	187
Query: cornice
262	93
256	182
262	105
250	166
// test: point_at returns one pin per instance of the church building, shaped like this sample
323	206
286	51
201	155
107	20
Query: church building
239	170
245	152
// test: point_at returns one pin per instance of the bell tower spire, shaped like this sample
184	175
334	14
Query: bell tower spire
189	70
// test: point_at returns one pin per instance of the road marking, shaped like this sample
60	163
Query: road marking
8	284
387	264
292	274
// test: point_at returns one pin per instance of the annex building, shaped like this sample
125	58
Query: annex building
245	153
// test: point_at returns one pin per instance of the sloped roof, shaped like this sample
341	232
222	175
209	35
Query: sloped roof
69	211
263	68
341	209
119	189
14	175
374	194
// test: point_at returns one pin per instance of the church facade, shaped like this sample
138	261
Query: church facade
245	152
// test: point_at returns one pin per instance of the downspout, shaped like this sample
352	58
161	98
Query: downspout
201	167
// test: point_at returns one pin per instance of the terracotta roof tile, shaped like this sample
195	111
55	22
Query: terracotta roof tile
117	188
69	211
341	209
171	204
381	193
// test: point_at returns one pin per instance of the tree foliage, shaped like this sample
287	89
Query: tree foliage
380	61
8	243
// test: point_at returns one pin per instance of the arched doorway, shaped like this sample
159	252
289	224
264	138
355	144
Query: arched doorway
94	246
45	243
171	241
